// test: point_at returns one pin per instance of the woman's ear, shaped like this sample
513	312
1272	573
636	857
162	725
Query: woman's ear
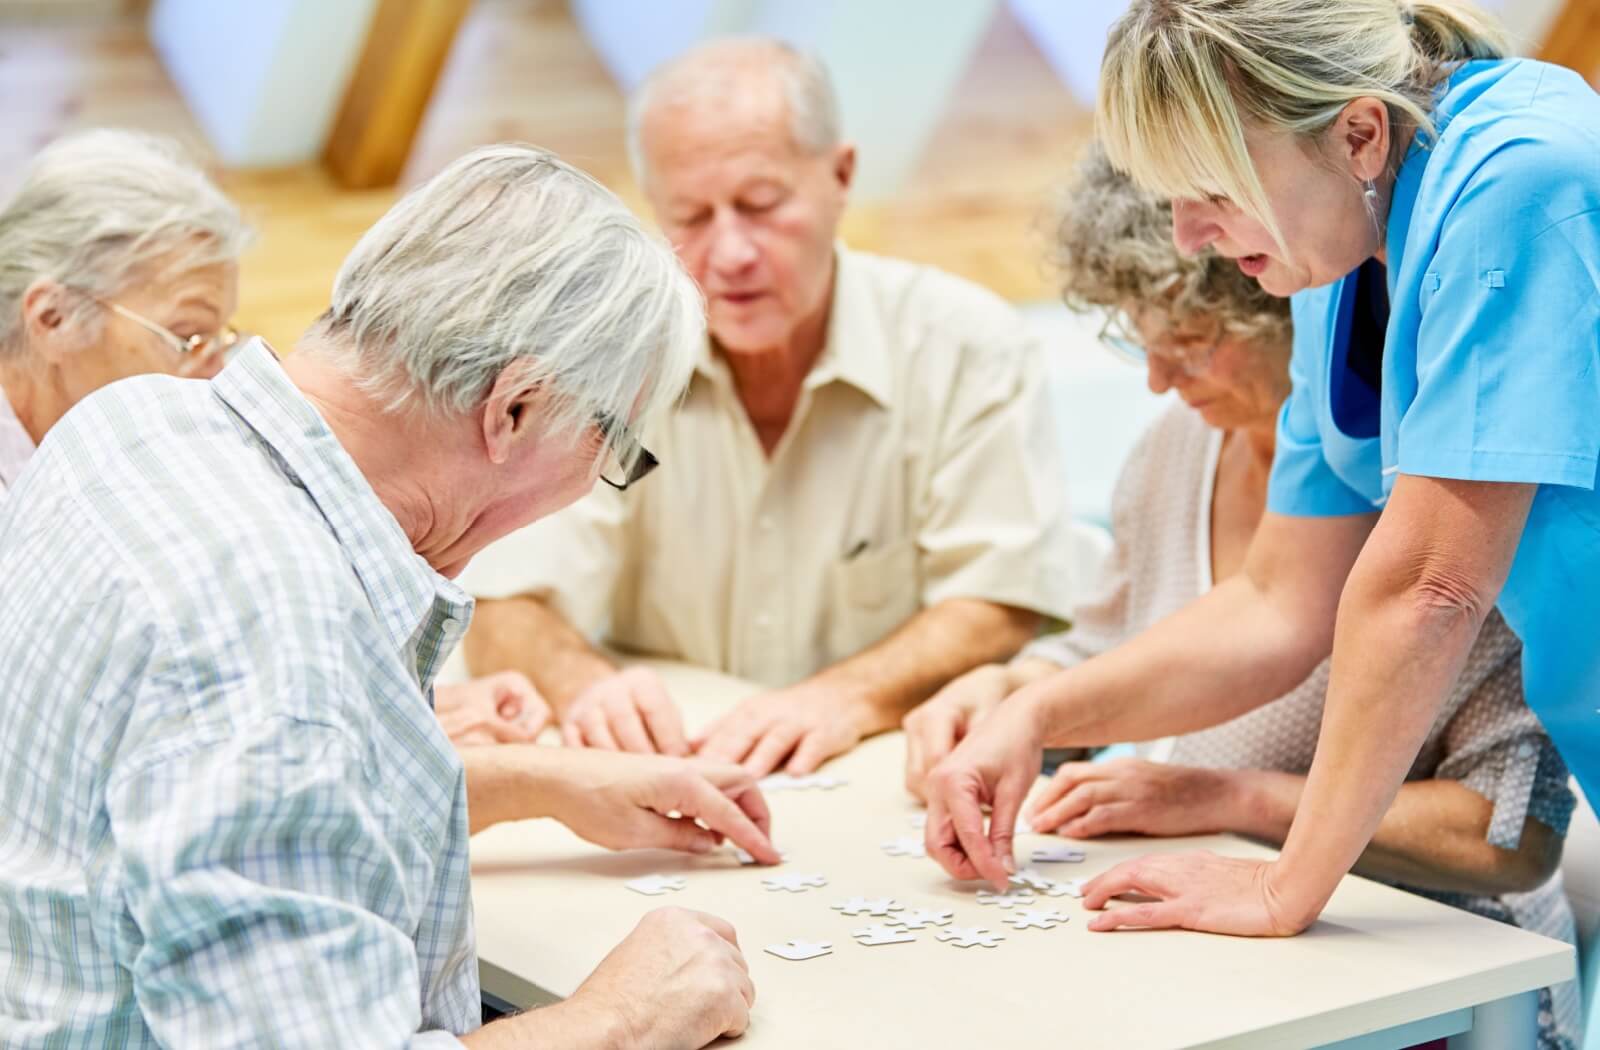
47	318
1363	133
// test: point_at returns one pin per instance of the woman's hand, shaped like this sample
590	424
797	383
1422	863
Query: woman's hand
1130	796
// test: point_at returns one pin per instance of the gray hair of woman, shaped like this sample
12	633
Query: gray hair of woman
99	211
1114	248
511	260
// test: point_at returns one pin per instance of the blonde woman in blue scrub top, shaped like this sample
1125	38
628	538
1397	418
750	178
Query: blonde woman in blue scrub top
1434	210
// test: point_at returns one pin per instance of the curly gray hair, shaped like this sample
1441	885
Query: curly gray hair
96	208
1114	248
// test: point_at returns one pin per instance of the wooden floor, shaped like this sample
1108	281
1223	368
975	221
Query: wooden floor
522	70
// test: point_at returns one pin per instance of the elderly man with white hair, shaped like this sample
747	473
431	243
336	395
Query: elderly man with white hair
232	818
866	495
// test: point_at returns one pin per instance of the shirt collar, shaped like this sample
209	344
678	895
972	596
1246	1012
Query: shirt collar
16	447
424	613
855	351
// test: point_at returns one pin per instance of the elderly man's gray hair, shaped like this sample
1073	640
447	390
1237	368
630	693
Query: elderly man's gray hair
722	69
96	209
511	260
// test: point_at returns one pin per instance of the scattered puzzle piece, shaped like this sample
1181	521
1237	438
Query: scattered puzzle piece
1032	879
919	820
971	936
1057	855
869	906
798	950
1036	919
745	857
794	883
904	846
655	885
1073	887
878	933
1009	899
916	919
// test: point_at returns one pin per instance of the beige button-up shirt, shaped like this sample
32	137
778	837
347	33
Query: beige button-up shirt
921	464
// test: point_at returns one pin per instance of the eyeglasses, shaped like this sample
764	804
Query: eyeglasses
627	462
219	342
1190	360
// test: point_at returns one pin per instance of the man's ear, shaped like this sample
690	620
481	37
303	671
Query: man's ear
510	413
844	166
45	312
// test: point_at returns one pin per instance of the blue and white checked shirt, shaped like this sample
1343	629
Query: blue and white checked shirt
228	815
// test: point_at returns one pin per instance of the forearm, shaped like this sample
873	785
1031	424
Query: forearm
936	645
512	782
1433	837
571	1025
1228	652
524	634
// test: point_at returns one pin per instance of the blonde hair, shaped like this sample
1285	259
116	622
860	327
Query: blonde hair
1114	247
1183	80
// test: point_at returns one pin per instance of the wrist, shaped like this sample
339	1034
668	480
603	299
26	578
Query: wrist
578	673
579	1022
1296	896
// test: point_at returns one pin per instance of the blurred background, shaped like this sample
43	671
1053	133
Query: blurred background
314	114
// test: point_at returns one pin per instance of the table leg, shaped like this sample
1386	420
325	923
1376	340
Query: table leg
1511	1023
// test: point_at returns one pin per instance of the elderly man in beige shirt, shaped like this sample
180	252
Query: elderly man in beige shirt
861	495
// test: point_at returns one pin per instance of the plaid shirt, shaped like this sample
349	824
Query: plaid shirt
228	816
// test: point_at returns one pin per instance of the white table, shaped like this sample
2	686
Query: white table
1382	969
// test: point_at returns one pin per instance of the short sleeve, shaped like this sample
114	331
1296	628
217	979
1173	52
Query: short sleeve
1302	483
995	525
270	894
1508	348
574	559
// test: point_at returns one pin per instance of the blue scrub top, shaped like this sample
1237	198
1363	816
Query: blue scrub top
1491	366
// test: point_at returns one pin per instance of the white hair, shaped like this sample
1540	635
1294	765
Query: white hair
95	209
512	260
721	69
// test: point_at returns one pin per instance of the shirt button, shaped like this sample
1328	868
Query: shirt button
1526	749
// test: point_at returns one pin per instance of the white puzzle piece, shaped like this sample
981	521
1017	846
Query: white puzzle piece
810	781
745	857
655	885
798	950
1035	918
904	846
1057	855
971	936
1074	887
916	918
794	883
878	933
1009	899
919	820
1033	879
869	906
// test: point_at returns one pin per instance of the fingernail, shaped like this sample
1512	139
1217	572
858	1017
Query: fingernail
1010	863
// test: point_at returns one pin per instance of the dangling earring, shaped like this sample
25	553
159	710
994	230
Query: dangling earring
1371	193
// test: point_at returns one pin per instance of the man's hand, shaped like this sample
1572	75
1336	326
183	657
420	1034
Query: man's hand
627	711
994	766
652	801
1130	796
797	728
677	982
936	727
501	708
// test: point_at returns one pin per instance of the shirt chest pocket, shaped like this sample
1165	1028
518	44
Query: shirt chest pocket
870	594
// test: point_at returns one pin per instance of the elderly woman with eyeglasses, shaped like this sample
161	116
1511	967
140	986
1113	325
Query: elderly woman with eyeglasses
1480	822
117	258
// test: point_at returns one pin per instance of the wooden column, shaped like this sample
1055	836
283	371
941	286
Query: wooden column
394	79
1574	39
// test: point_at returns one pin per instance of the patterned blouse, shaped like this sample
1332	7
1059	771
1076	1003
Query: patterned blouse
1485	737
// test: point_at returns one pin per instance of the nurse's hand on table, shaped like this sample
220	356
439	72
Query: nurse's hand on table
1197	891
677	982
1129	796
993	767
629	711
627	801
502	708
797	729
935	727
